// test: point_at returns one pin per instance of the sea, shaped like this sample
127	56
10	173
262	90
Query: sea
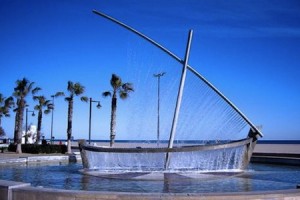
191	141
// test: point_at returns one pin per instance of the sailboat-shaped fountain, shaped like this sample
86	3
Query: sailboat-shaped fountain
213	156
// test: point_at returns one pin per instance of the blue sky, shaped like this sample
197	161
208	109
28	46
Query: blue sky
248	49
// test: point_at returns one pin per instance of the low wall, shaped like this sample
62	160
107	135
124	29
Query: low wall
276	158
75	157
6	188
10	190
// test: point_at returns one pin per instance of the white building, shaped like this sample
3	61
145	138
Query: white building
31	135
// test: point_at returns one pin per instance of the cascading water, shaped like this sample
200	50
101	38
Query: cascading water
222	159
126	161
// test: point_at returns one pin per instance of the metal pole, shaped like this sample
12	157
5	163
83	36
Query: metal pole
51	139
90	119
158	81
158	104
179	97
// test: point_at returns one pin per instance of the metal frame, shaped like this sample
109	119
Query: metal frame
182	62
246	143
84	146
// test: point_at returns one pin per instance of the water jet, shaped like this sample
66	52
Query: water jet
226	155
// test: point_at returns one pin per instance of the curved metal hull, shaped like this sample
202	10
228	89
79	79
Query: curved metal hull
230	156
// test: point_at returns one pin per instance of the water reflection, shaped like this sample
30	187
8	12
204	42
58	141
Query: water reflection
67	176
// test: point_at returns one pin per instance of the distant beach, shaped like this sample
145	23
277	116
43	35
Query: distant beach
263	146
277	148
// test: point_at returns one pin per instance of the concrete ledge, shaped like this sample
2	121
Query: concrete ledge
13	161
47	158
32	193
281	155
37	159
7	186
4	145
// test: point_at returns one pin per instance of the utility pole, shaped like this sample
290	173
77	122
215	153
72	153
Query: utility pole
158	101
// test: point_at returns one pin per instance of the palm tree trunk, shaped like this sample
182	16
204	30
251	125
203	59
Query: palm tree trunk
113	119
69	130
19	125
39	127
16	127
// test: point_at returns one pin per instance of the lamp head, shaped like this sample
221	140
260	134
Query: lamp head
98	105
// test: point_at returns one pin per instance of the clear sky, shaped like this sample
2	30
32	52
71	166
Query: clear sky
250	50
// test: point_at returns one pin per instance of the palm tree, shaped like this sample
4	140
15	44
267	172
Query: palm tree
123	89
45	106
5	106
21	91
74	89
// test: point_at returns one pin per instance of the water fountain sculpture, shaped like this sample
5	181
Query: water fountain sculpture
177	155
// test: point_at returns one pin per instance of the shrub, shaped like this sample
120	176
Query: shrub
37	148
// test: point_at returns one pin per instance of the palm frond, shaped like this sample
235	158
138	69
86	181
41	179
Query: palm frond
106	94
59	94
84	99
21	87
50	106
68	98
128	87
29	87
47	102
115	81
37	107
35	98
70	87
35	90
9	102
15	94
47	111
1	98
78	89
123	94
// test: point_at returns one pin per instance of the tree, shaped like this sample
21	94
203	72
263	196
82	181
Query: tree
123	89
21	91
5	105
43	106
74	89
2	132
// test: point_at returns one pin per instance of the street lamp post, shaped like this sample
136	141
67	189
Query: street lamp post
158	98
90	117
26	123
51	137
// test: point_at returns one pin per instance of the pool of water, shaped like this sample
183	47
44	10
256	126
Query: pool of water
258	177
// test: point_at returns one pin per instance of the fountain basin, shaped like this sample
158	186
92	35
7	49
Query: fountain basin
63	181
